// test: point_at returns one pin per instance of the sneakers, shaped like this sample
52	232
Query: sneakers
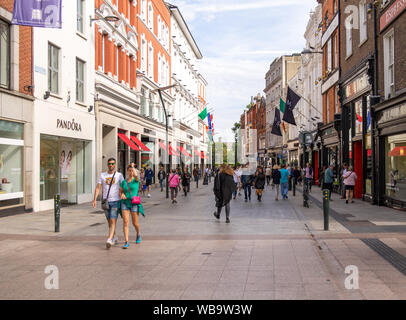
227	220
149	196
216	215
109	243
346	201
138	240
115	240
126	245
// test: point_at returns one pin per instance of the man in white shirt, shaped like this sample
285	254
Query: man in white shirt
110	181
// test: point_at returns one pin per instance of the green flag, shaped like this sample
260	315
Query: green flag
282	105
203	114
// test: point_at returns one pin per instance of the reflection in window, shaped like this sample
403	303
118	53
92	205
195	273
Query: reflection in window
395	166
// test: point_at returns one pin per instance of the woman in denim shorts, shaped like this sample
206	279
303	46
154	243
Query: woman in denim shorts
129	189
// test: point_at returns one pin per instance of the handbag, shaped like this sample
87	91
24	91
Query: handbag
104	202
134	200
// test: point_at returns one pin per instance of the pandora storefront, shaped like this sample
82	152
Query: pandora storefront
64	158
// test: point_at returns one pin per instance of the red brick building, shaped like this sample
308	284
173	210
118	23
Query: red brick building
16	107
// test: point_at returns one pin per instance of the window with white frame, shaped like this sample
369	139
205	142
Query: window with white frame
150	16
144	10
159	69
4	54
80	15
150	60
348	39
53	68
80	80
389	63
329	54
143	54
363	21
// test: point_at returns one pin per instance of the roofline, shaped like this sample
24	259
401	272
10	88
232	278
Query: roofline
179	18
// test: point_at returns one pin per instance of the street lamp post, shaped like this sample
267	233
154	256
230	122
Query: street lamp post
306	139
166	138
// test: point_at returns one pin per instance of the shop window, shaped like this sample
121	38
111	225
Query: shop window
11	163
79	17
395	166
53	68
4	54
65	168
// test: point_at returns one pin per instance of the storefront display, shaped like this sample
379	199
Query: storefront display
395	167
65	168
11	163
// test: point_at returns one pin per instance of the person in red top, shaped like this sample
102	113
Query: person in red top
174	184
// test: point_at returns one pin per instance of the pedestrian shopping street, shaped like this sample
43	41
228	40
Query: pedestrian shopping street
270	250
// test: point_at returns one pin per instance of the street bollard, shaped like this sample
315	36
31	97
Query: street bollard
57	211
326	208
294	186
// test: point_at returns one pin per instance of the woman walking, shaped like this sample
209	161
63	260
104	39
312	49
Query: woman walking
174	181
186	181
276	179
349	180
224	186
259	182
130	204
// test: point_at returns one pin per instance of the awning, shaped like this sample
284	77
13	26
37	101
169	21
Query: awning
171	151
398	152
184	152
128	142
140	144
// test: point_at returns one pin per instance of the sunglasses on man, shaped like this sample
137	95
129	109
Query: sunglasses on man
111	163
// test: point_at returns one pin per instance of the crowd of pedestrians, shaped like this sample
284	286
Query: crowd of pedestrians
121	196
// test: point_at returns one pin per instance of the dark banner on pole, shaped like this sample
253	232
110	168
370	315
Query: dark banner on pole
276	128
38	13
291	101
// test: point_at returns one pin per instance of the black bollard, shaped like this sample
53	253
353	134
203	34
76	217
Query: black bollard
57	211
326	208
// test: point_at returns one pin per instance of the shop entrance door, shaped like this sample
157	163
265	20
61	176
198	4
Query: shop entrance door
316	166
358	169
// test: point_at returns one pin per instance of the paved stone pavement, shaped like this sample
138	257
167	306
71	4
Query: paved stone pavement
270	250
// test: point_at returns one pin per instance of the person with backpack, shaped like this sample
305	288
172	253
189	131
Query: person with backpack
130	203
349	180
109	183
174	181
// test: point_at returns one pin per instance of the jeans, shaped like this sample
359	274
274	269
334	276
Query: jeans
227	210
197	181
247	191
268	180
308	183
112	213
236	189
161	183
284	189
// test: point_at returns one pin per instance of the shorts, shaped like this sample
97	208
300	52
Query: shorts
134	208
349	187
148	182
112	213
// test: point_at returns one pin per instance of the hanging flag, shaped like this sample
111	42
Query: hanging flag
276	129
359	118
282	105
291	101
203	114
38	13
210	119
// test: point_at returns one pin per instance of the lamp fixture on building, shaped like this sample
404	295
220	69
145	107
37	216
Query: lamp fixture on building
107	18
308	51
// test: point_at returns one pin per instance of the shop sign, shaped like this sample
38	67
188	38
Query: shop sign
393	11
393	113
68	125
150	132
357	86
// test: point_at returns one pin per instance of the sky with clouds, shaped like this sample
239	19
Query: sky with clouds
239	39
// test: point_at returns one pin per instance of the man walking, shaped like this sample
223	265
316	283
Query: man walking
344	171
161	177
268	173
196	177
149	175
246	180
110	182
309	177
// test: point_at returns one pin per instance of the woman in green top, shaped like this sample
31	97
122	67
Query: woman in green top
128	189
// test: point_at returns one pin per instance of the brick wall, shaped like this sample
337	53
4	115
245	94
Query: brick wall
25	52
